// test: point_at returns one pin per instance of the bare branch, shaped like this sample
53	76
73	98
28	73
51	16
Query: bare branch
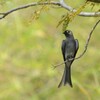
85	14
3	15
61	4
85	49
96	1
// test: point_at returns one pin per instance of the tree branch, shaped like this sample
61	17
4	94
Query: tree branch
85	49
3	15
61	4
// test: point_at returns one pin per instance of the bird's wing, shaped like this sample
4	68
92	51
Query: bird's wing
77	46
63	49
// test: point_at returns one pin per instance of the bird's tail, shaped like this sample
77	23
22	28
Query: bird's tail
66	78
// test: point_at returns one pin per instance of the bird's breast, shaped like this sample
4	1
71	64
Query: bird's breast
70	49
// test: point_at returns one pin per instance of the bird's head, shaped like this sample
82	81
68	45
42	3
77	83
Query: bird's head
68	34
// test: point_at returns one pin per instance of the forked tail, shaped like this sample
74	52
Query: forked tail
66	78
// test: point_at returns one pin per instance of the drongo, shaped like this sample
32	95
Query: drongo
69	50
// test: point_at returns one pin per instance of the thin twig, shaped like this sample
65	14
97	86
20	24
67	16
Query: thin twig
85	49
62	4
3	15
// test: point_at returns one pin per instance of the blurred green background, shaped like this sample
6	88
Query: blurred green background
29	48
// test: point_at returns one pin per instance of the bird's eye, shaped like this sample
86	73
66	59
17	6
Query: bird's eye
67	31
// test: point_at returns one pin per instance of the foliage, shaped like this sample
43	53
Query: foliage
66	19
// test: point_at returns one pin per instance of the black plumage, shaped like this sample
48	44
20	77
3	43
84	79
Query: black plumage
69	50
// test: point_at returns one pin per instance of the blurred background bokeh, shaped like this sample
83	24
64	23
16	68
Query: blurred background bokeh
29	48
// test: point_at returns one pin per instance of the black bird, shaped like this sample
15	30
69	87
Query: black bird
69	50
